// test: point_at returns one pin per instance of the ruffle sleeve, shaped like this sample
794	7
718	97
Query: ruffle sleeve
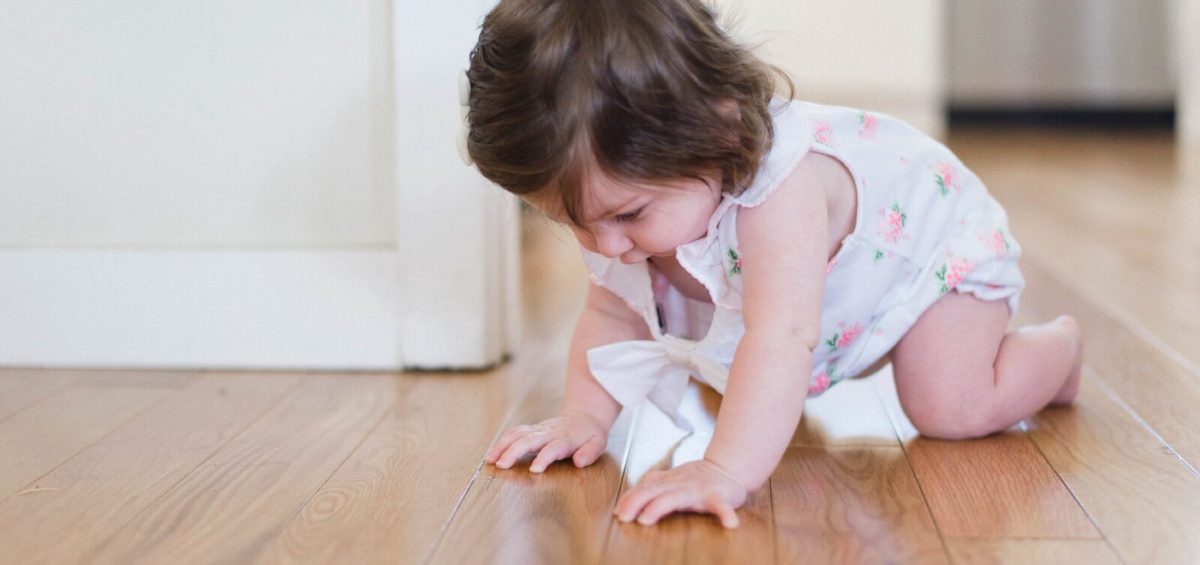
793	139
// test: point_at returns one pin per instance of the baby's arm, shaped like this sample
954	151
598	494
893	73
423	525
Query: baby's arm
605	319
588	411
783	245
783	270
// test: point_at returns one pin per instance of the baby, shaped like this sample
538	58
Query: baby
769	248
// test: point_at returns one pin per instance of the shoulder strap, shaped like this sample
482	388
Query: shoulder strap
793	139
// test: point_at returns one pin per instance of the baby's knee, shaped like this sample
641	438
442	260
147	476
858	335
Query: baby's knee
954	420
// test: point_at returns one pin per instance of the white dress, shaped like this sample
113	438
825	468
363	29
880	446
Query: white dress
925	225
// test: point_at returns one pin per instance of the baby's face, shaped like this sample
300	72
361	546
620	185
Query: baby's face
633	221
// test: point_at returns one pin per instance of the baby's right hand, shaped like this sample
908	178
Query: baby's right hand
556	438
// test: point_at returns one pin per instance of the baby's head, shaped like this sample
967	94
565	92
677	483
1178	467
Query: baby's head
625	119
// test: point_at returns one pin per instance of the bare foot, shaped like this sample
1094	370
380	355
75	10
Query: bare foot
1070	388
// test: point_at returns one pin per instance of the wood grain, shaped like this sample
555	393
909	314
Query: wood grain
1031	551
22	388
852	505
1164	393
998	486
42	437
558	516
94	493
1143	497
393	497
227	509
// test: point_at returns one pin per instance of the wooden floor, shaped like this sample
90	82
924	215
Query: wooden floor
160	467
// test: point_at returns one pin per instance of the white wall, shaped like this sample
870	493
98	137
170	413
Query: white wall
198	184
882	55
172	123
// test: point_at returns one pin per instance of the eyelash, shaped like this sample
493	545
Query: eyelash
629	216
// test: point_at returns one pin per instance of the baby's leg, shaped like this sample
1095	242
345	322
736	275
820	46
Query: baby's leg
960	375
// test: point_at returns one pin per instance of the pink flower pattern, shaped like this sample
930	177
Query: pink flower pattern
892	223
947	178
843	338
819	383
868	122
996	242
849	334
953	273
823	133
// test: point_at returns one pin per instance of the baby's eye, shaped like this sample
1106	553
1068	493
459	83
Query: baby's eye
629	216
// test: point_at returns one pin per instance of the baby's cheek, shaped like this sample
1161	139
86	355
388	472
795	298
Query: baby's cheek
661	239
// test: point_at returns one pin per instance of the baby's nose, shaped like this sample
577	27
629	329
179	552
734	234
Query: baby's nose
612	244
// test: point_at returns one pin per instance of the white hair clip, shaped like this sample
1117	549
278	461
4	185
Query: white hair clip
464	105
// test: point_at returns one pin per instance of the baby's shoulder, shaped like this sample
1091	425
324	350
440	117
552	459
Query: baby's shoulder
816	180
812	208
795	208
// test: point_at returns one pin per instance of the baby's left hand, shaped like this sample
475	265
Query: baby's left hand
701	486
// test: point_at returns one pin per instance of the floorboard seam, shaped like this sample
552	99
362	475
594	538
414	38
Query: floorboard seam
634	420
408	386
774	524
195	378
505	423
1123	320
50	394
913	472
115	531
1075	497
1138	418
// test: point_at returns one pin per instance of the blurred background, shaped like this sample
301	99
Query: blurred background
275	184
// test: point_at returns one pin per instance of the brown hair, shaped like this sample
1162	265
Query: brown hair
634	89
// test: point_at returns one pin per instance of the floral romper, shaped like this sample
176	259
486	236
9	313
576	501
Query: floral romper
925	225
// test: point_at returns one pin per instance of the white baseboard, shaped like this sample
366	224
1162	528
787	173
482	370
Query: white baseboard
324	310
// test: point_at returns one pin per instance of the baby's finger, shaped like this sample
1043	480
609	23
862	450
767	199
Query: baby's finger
724	511
652	477
589	452
518	448
670	501
632	502
552	452
505	440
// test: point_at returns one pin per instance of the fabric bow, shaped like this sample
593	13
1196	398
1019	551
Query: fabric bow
658	370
